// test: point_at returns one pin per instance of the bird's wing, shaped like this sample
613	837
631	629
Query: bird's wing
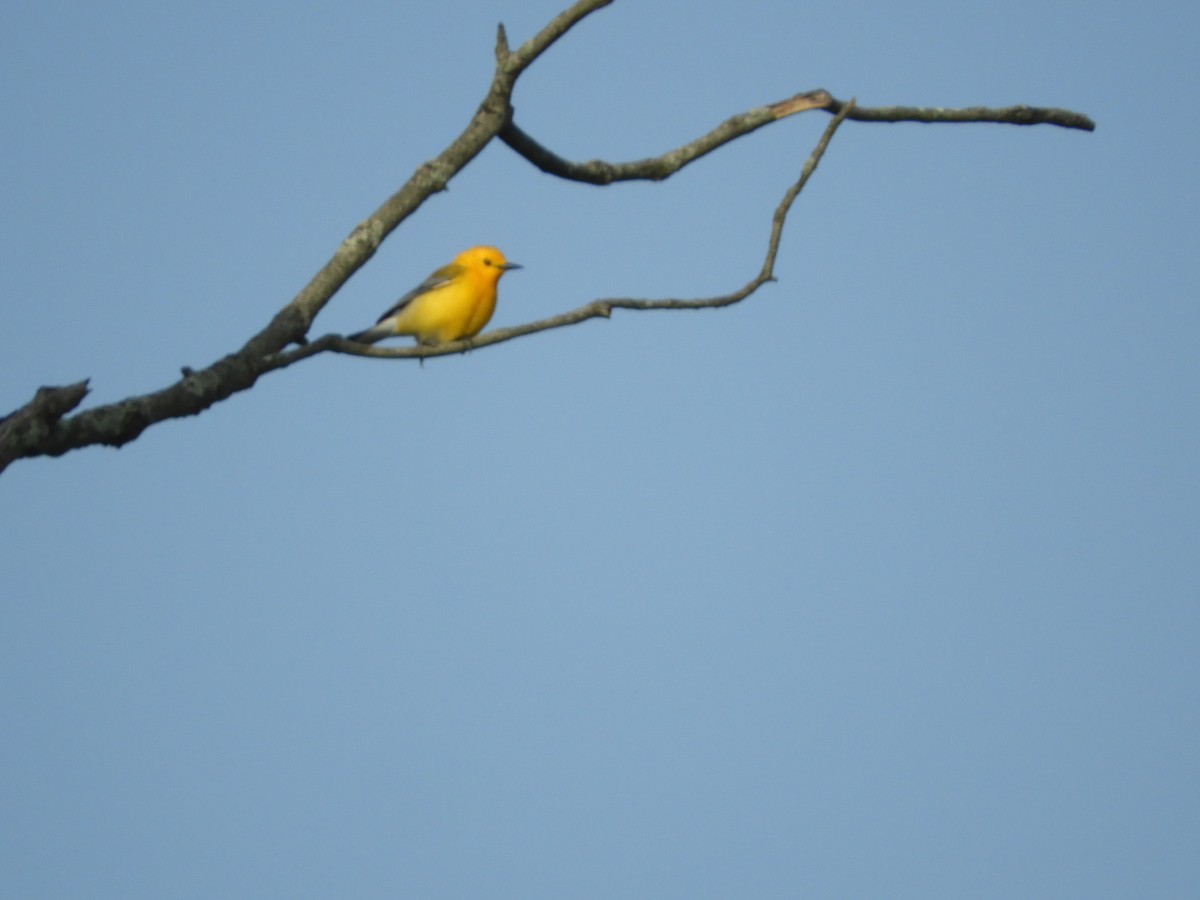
440	278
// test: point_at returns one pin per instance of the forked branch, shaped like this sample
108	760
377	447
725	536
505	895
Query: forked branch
656	168
596	309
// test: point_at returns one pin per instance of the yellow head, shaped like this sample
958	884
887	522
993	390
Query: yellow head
486	262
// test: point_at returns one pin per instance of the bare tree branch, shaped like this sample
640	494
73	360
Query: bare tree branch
42	427
598	171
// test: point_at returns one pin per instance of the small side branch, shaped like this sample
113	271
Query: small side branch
520	58
30	425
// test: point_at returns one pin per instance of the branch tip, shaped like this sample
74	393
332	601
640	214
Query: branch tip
818	99
502	51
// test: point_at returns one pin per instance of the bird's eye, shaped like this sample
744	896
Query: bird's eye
487	262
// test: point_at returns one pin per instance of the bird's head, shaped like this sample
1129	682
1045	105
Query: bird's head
487	260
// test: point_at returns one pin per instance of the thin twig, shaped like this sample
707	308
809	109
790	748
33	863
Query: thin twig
1007	115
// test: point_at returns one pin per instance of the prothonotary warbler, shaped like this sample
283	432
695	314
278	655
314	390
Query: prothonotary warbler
454	302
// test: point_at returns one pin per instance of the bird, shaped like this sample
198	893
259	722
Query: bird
455	302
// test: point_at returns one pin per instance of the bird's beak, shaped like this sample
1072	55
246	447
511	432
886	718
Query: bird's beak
507	266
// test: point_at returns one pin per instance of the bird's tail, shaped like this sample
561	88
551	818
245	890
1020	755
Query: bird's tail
370	336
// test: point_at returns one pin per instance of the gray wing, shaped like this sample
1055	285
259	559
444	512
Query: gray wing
441	277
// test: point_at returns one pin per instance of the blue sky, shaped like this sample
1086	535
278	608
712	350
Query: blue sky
880	584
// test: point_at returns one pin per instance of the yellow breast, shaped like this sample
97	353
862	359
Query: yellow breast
456	310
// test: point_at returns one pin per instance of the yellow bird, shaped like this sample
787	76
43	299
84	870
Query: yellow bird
455	302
